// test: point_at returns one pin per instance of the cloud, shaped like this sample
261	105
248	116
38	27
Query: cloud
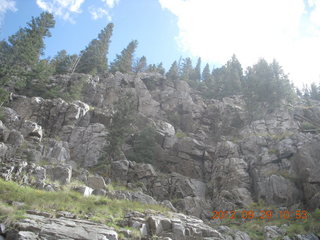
287	30
63	8
97	13
5	6
67	9
111	3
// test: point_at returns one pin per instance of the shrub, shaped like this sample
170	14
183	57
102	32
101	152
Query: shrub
144	146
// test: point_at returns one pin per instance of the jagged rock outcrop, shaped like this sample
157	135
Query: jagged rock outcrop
210	154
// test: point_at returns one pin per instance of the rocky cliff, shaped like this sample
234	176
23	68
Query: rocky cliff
209	154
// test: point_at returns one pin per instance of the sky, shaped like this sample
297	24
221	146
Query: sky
285	30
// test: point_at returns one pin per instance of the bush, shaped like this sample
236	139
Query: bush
144	146
121	125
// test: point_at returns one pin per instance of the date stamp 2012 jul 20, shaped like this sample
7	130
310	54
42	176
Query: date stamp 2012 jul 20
261	214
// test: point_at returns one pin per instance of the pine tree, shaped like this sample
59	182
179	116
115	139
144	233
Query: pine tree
232	78
140	65
123	62
314	92
196	74
26	46
160	68
206	76
186	69
94	57
173	72
156	68
62	62
267	83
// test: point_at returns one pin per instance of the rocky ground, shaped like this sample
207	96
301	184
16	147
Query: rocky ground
221	158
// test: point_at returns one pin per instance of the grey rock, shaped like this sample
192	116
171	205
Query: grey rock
3	149
178	231
32	130
56	151
305	237
168	204
96	182
143	198
140	171
99	192
60	173
62	228
119	170
26	235
87	143
272	232
15	138
241	236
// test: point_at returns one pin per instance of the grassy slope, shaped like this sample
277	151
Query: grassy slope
100	209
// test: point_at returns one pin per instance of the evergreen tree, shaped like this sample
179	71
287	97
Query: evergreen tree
206	76
266	83
121	125
21	55
62	62
123	62
196	74
156	68
173	72
94	58
160	68
144	144
186	69
140	65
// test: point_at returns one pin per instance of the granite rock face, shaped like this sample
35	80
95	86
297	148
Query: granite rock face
209	154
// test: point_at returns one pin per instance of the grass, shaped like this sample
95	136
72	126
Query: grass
180	134
95	208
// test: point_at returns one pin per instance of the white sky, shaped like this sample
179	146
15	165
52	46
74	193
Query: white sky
287	30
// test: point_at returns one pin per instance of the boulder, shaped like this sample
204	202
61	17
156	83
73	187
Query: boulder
140	171
59	228
96	182
60	173
87	144
119	170
56	151
31	130
15	138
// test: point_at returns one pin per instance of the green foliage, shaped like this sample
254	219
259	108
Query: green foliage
173	72
20	57
206	76
311	93
96	207
94	58
140	65
62	62
227	79
144	146
196	74
123	62
186	69
266	83
174	118
4	96
121	125
156	68
180	134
